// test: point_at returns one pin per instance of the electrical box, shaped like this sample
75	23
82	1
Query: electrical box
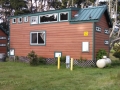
67	61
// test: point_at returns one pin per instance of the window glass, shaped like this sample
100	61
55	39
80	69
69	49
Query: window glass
64	16
14	20
2	37
2	44
20	20
34	20
48	18
37	38
25	19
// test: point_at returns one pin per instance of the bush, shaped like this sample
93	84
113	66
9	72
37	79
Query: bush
100	54
116	47
112	51
16	58
42	60
63	59
33	58
117	54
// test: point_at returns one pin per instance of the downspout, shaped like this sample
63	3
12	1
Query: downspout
93	46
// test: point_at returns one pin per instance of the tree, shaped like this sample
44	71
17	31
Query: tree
10	8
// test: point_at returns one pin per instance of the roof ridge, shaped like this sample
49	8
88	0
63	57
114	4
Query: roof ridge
3	29
103	6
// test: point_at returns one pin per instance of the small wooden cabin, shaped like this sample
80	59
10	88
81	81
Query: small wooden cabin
72	31
3	40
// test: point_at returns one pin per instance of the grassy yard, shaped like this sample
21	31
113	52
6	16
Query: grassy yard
21	76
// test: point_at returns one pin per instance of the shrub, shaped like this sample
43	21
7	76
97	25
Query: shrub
117	54
16	58
42	60
100	54
112	51
63	59
116	47
81	59
33	58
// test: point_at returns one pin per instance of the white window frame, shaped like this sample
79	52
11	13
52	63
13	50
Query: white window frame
63	20
41	31
98	29
19	20
106	42
12	52
26	18
34	22
1	37
2	45
106	31
46	15
13	20
85	46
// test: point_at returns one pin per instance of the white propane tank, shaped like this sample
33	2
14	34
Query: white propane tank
101	63
104	57
108	61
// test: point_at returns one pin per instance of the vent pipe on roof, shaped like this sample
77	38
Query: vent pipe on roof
90	16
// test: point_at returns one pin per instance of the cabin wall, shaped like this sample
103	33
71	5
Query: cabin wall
3	49
62	36
101	36
73	13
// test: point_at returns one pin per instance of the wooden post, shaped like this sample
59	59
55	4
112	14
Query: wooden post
71	67
58	62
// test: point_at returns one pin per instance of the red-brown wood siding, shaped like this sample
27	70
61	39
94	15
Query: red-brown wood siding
3	49
60	36
73	13
101	36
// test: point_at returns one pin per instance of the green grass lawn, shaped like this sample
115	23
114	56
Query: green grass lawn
21	76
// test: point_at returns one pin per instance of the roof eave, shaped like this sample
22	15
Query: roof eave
84	21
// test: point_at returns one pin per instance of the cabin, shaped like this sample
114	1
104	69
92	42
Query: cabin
77	32
3	41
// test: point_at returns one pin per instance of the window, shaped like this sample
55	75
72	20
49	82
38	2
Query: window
2	44
85	46
98	29
20	20
63	16
48	18
26	19
34	20
14	20
37	38
2	37
12	52
106	42
106	31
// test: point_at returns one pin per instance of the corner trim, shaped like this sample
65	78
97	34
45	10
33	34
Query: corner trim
93	39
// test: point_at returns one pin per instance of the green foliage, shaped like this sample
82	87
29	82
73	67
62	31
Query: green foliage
16	58
112	51
17	5
33	58
117	54
116	47
42	60
100	54
20	76
63	59
82	59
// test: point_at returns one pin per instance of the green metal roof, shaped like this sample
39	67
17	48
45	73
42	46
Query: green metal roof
1	27
46	12
92	14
